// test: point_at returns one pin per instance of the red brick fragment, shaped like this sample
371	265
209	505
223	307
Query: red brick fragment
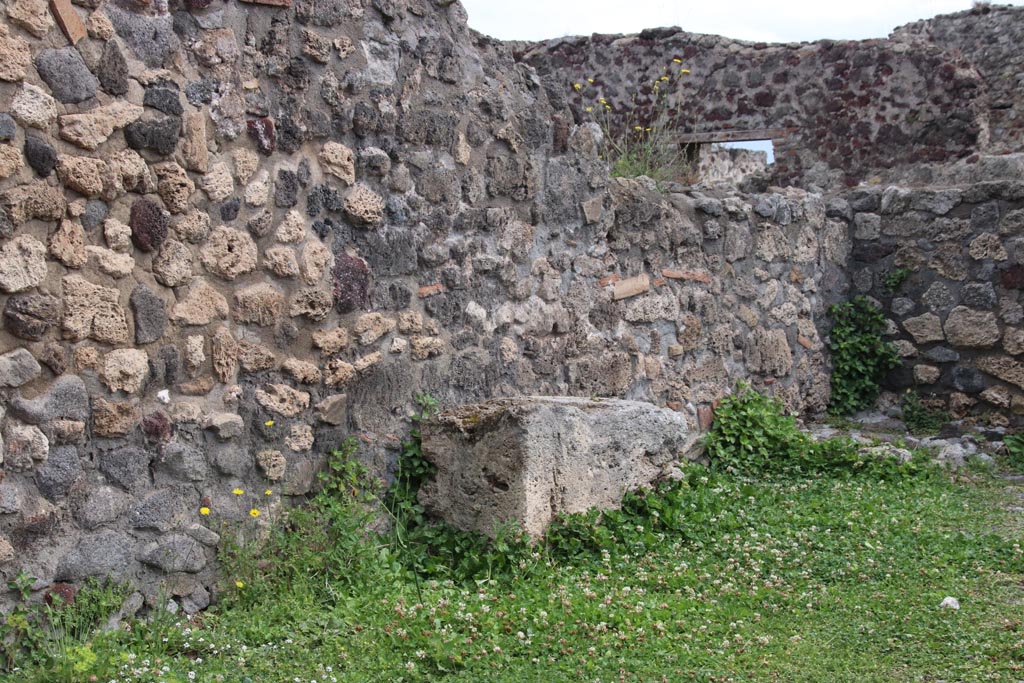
68	20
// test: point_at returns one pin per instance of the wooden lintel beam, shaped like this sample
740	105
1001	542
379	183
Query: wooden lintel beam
733	135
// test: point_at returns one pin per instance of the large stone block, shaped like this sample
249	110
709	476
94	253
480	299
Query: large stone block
527	460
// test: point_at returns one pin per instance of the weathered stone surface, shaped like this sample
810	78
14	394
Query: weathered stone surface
67	244
104	554
102	506
33	108
218	183
281	261
40	155
310	302
338	160
314	261
149	223
181	461
282	399
768	352
272	463
67	75
225	425
112	69
15	56
125	370
229	253
1006	369
264	134
924	328
300	439
261	304
8	129
149	313
302	371
25	446
364	207
66	398
151	38
175	552
333	410
11	161
528	460
31	316
174	186
61	471
93	128
84	175
351	283
255	357
201	306
339	373
18	367
33	201
987	246
114	418
292	228
114	264
969	328
172	267
162	510
92	311
193	144
22	264
158	135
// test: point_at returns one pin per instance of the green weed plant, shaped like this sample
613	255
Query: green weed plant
860	357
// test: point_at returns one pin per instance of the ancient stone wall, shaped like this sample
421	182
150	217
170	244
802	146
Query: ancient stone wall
936	92
233	234
945	264
989	37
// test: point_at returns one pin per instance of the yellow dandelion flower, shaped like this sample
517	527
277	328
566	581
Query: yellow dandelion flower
204	511
267	492
677	60
254	513
663	78
238	492
684	71
590	109
577	86
590	80
608	107
638	127
603	101
268	423
239	584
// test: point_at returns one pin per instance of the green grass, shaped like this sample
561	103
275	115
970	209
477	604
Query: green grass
787	578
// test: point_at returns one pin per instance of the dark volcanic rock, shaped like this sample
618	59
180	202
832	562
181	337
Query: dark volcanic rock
67	75
30	316
8	129
159	135
112	70
263	132
351	283
164	99
41	156
149	223
150	315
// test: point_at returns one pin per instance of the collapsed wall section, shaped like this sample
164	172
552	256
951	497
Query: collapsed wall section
233	234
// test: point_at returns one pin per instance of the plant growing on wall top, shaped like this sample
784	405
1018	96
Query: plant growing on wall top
860	357
640	140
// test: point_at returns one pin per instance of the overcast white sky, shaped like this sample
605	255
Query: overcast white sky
789	20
